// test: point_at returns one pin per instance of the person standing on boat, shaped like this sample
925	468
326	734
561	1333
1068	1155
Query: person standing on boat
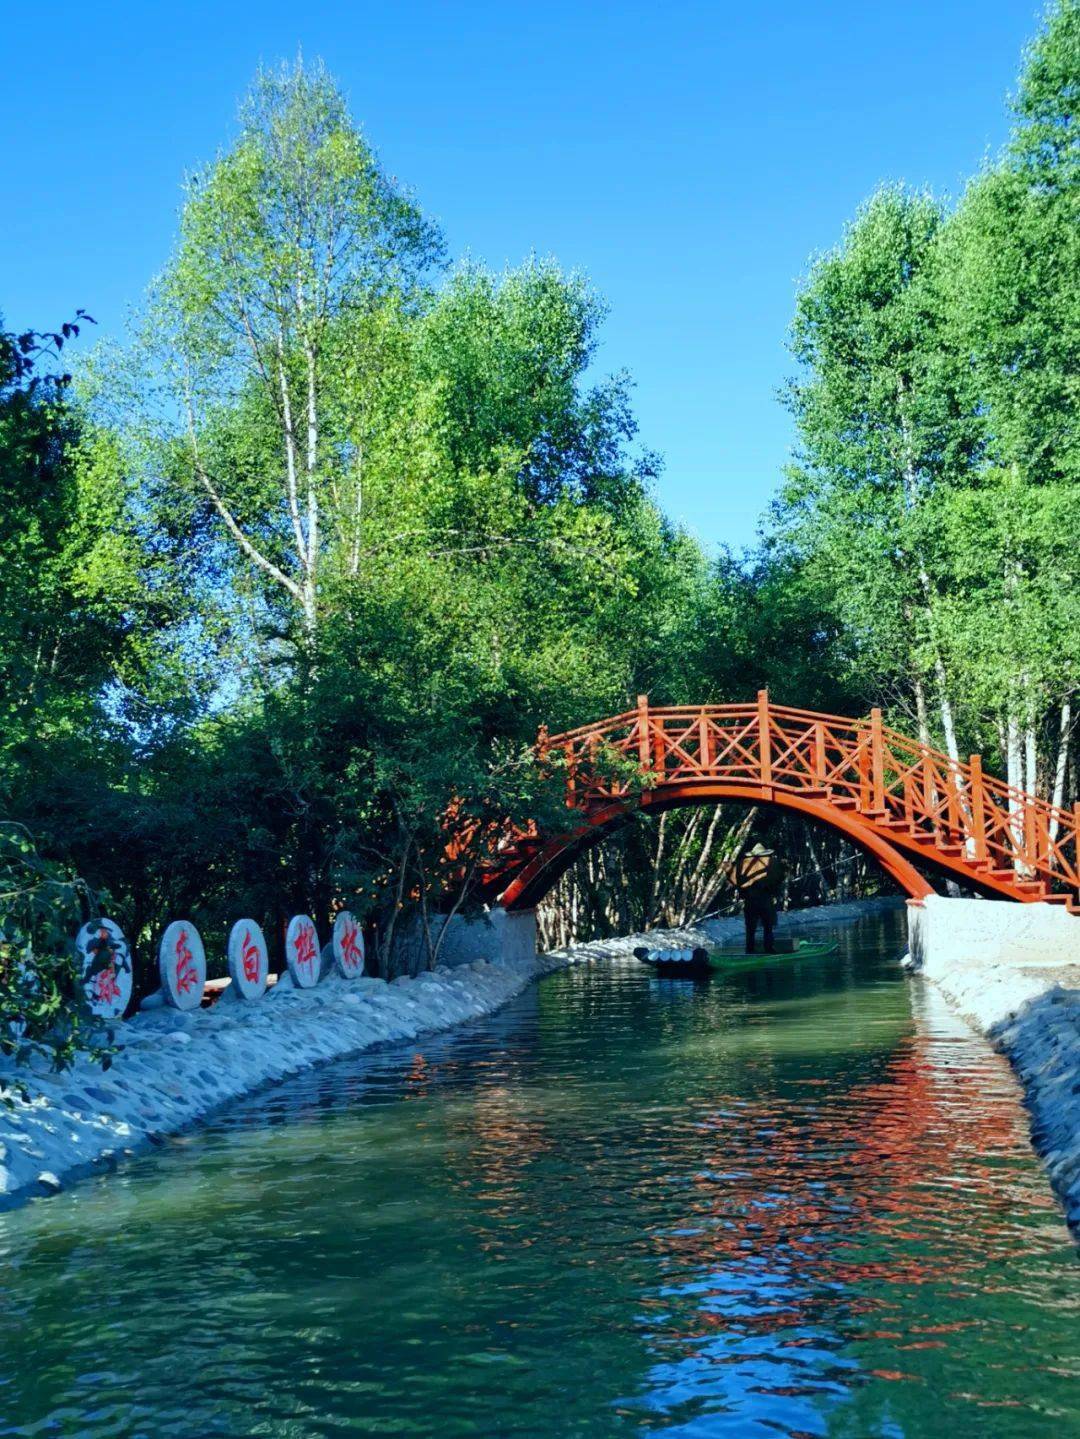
757	875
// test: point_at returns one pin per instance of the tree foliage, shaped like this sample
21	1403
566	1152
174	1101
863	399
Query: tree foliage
935	407
296	574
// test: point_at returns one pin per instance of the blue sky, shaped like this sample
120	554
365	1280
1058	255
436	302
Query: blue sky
689	158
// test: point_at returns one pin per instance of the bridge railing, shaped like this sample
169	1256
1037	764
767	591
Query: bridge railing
882	776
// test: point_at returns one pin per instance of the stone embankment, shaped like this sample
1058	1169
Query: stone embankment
173	1068
1013	971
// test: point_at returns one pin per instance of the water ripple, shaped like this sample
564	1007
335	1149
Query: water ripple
795	1203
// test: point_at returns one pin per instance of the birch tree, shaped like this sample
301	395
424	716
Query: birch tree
883	422
1011	276
295	245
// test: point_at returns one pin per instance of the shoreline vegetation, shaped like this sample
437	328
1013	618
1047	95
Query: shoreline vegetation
302	563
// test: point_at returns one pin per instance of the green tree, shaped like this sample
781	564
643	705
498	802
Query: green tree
296	253
67	631
1013	256
885	422
411	529
43	1007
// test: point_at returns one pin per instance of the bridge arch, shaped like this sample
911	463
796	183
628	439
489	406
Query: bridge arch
546	867
905	804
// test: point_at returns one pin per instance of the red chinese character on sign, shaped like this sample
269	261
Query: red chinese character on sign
304	944
105	986
187	975
350	949
250	957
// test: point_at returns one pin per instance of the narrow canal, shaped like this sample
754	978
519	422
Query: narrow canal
792	1203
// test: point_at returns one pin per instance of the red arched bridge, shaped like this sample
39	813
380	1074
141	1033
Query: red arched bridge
912	808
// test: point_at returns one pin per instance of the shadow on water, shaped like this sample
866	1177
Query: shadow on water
787	1203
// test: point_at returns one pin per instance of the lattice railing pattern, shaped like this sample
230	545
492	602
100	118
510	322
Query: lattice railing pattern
925	804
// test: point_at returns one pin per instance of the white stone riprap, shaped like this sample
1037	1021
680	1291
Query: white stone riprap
1043	1043
174	1067
1013	971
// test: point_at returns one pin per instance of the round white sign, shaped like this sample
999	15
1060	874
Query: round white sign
302	951
182	964
348	946
249	963
105	958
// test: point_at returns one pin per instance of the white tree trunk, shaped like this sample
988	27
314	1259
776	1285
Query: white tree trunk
1030	776
948	727
1014	774
911	500
289	438
921	714
311	467
1061	765
948	723
1031	760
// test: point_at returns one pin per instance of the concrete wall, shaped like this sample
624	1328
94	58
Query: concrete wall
1013	971
988	932
496	935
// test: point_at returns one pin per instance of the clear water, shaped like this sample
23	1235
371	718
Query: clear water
793	1203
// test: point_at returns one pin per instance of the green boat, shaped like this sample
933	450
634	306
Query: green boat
734	959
